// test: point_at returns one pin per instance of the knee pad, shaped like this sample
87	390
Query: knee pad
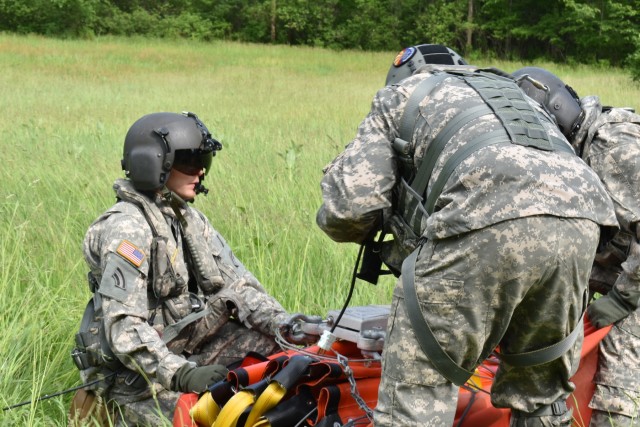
556	414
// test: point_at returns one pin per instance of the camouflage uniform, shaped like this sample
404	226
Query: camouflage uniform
506	260
136	253
609	141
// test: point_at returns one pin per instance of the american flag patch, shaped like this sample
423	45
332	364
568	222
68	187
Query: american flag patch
131	253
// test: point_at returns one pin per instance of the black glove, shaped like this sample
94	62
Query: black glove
608	309
197	379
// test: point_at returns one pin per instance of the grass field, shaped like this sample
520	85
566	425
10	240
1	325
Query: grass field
281	113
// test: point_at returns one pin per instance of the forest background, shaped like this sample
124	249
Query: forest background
604	32
283	107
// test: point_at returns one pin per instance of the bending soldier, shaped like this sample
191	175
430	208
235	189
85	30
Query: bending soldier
495	223
608	139
176	304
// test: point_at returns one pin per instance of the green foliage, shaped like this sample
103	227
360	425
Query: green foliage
574	31
634	61
282	113
74	18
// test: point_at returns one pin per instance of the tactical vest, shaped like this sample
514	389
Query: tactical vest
171	306
520	125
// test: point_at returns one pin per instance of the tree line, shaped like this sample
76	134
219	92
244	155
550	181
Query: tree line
604	32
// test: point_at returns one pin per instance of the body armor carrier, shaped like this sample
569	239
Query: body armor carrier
520	125
172	308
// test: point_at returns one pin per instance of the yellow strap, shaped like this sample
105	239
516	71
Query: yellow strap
232	410
262	423
268	399
205	411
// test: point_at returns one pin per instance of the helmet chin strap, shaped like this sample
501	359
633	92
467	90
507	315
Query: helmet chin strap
172	197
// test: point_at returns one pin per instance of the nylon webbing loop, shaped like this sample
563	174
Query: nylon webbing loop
440	359
205	411
268	399
228	416
436	146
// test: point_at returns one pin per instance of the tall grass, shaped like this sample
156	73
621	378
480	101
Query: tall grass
281	112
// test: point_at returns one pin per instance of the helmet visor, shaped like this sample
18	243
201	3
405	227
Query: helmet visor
191	162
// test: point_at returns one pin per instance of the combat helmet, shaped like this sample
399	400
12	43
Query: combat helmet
159	141
408	60
558	98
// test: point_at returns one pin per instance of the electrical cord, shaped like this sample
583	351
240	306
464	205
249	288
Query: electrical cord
59	393
353	285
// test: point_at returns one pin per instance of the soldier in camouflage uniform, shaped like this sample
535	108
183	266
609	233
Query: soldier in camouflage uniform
177	305
502	259
608	139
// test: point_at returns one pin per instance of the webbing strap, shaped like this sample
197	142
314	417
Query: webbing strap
546	354
228	416
431	156
410	114
436	146
491	138
440	359
172	331
268	399
205	411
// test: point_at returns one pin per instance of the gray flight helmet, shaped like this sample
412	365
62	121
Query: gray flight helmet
558	98
408	60
151	144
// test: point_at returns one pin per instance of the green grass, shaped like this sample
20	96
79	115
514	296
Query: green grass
281	112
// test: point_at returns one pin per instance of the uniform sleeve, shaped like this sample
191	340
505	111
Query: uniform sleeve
253	306
615	157
357	185
121	242
627	285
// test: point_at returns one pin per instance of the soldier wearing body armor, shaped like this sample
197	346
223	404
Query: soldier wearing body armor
608	139
495	223
172	305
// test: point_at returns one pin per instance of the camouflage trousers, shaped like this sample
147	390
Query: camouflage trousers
154	406
520	284
616	400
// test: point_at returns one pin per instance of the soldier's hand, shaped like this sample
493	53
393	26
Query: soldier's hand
197	379
608	309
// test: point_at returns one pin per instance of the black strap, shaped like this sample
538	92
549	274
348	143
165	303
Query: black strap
546	354
436	146
412	107
440	359
549	353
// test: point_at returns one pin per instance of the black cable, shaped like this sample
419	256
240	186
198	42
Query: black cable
353	285
469	405
59	393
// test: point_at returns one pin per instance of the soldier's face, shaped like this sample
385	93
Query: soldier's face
184	184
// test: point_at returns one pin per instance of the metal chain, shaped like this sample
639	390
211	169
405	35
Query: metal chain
344	364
